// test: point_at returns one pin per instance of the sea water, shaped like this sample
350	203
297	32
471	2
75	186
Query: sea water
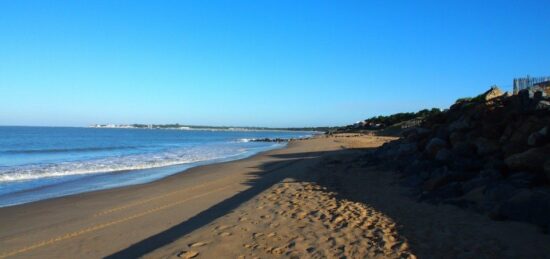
44	162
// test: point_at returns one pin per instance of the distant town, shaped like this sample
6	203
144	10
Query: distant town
209	128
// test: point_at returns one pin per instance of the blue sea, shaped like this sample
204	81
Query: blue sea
44	162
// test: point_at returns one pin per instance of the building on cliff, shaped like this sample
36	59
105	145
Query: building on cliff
527	82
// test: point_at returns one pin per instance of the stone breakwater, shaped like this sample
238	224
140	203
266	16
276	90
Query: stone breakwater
490	154
276	140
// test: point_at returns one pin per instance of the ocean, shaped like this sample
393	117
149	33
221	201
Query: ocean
38	163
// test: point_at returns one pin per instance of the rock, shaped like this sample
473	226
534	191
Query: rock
496	193
406	148
547	170
443	155
491	174
463	149
415	133
412	181
542	105
522	179
434	145
437	181
460	124
492	93
529	206
532	159
456	137
465	164
486	147
495	164
475	183
538	138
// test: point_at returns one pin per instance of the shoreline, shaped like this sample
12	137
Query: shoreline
315	198
175	169
76	210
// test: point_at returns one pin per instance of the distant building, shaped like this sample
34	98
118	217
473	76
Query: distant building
544	84
527	82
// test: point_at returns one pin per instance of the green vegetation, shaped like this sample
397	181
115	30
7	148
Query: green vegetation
385	121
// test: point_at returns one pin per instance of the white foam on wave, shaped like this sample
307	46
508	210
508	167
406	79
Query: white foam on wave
115	164
246	140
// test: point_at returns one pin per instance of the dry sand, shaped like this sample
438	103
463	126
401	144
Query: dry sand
314	199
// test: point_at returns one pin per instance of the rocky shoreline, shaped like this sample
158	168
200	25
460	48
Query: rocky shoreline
490	154
276	140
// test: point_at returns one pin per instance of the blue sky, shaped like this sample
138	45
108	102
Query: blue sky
258	63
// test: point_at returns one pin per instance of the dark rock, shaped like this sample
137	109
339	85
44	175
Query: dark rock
486	147
532	159
464	149
456	137
464	164
538	138
475	183
495	165
437	179
415	133
499	192
412	181
270	140
406	148
443	155
542	105
461	124
491	174
522	179
434	145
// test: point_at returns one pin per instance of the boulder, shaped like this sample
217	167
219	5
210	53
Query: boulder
406	148
456	137
437	179
497	193
538	138
532	159
464	149
462	123
443	155
522	179
486	147
466	164
492	93
434	145
542	105
475	183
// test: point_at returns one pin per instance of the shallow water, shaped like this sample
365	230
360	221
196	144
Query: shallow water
43	162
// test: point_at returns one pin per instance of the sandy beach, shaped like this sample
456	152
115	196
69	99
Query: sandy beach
316	198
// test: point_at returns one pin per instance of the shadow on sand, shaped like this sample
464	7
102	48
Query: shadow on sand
297	166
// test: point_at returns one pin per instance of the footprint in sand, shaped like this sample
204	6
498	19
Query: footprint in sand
222	227
188	254
197	244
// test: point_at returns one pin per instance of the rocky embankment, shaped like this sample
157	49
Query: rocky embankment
490	154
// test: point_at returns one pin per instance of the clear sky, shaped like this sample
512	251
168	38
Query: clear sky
258	63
